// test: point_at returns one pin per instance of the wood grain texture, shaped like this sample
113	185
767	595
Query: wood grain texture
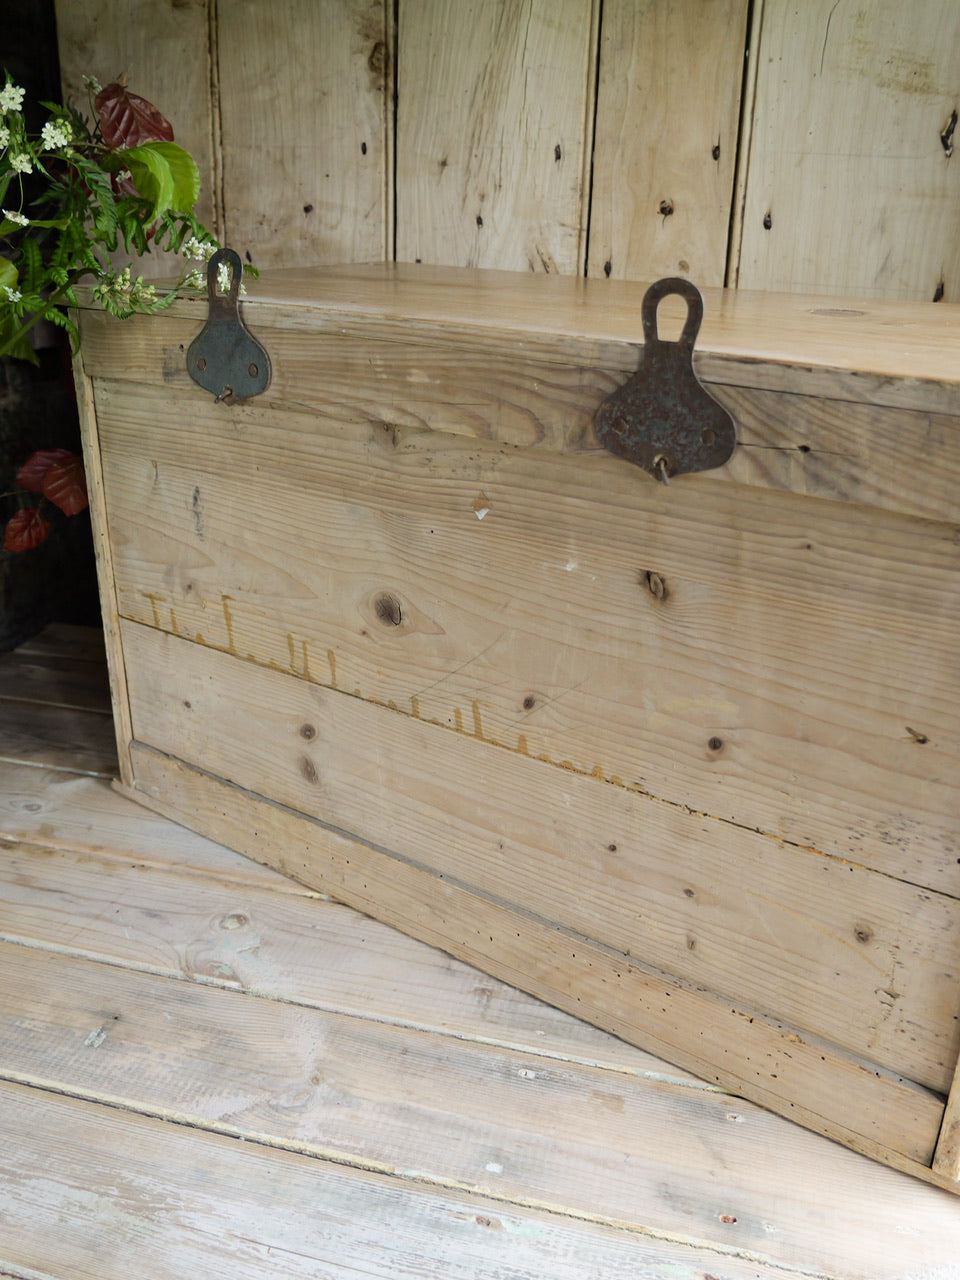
184	1201
63	681
898	354
63	810
305	104
745	1053
758	644
495	176
245	927
846	161
164	51
529	1132
58	738
665	146
648	879
905	460
103	549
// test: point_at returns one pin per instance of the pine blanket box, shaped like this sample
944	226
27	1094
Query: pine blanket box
680	758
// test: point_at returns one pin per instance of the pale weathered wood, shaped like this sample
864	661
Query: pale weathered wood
164	52
494	107
905	460
793	693
306	111
562	1136
647	878
104	551
850	188
899	354
249	927
60	809
665	142
806	1080
946	1158
88	1186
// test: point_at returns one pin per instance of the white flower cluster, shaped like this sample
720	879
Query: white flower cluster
11	295
199	250
55	134
22	163
11	97
4	135
12	216
92	84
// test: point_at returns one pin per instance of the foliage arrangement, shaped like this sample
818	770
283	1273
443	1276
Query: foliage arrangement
72	198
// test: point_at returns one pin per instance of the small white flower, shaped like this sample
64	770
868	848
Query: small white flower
22	163
123	175
18	218
12	295
92	84
200	250
224	277
11	97
193	280
55	134
4	135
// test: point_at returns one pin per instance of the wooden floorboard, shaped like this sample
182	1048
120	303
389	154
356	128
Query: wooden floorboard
207	1070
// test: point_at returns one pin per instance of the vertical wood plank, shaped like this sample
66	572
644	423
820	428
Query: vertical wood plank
494	103
668	102
946	1157
105	573
304	108
851	186
164	51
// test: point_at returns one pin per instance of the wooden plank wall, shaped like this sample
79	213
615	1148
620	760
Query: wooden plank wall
766	144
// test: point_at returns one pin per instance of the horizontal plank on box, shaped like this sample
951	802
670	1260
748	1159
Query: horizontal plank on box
809	640
874	1112
852	956
88	1188
557	1135
902	354
900	459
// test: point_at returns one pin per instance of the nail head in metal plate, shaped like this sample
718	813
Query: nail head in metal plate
225	358
663	419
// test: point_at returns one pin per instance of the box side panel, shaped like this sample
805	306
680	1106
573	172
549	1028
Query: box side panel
785	931
780	663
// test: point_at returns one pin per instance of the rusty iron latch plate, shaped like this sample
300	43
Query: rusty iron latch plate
225	358
662	418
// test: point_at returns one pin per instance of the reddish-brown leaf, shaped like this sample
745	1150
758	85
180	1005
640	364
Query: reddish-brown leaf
126	119
34	471
26	529
66	485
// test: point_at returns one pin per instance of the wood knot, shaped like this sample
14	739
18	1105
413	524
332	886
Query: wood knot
387	609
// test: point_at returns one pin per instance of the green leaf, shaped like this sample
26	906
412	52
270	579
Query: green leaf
164	174
8	274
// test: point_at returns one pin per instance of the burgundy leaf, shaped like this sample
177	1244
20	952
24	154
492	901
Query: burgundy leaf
34	471
126	119
66	485
26	529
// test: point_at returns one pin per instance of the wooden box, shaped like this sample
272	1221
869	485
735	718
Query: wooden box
680	759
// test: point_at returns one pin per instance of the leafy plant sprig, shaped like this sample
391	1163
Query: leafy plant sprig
95	186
